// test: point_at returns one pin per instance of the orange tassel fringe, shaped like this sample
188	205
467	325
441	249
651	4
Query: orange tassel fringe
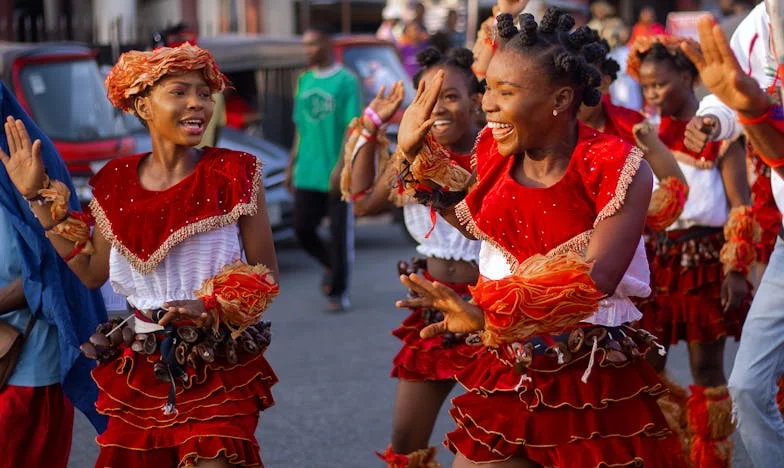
710	420
741	233
667	204
423	458
238	295
544	295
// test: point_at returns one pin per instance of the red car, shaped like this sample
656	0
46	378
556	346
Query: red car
61	87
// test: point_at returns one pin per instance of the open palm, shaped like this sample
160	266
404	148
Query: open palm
24	165
387	106
720	71
459	316
417	119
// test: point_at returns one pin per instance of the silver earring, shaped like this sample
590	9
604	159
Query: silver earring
555	113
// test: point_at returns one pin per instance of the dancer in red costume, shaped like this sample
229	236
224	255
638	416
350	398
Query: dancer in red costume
184	384
560	210
425	367
629	125
701	294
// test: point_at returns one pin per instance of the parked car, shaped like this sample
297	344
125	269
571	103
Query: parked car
60	86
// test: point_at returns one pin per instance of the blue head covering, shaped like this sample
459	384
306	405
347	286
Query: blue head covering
52	291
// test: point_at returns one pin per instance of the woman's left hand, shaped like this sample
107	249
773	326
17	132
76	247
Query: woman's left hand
734	290
192	310
386	106
460	316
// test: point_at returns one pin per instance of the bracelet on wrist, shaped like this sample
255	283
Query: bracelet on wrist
373	116
57	223
756	120
78	248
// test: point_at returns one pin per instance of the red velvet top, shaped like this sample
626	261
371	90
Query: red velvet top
143	225
620	121
523	221
671	133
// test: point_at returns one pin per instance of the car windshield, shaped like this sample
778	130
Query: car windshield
377	66
68	101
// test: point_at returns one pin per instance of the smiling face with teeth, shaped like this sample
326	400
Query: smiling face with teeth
519	101
453	110
177	108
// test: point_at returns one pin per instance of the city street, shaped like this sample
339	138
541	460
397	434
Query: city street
334	400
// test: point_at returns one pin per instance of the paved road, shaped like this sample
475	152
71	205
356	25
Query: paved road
334	399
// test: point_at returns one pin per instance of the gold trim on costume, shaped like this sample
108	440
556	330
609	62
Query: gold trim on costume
630	168
205	225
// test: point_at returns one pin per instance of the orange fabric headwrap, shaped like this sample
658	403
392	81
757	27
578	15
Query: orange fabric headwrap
643	44
136	71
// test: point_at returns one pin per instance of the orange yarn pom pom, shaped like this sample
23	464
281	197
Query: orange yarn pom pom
741	233
667	203
136	71
544	295
243	292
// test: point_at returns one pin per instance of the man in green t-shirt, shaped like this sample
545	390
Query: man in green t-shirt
327	98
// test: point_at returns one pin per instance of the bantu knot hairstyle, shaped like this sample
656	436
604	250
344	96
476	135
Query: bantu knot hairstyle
660	49
459	58
602	60
566	56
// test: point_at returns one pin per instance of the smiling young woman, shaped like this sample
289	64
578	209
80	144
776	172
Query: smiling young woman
425	367
185	382
560	209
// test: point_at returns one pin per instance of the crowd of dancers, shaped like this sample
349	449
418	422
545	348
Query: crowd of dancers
565	243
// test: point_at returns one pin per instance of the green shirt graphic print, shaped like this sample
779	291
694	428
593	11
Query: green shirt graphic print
324	105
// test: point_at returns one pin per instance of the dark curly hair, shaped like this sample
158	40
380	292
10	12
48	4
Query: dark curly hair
606	64
659	53
565	56
459	58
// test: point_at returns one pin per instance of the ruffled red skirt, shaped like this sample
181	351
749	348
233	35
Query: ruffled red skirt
686	278
217	412
423	359
551	417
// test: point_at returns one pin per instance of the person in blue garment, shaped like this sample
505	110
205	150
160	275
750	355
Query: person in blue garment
51	376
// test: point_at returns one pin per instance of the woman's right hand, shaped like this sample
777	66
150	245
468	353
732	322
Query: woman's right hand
417	119
24	165
459	316
721	73
387	106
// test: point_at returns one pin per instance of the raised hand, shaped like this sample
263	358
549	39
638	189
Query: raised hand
417	119
721	73
699	131
459	316
24	165
387	106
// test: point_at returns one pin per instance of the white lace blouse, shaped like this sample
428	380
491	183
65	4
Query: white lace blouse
445	241
181	272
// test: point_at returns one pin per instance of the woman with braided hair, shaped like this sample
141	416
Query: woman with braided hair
701	294
183	234
425	367
560	209
632	127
